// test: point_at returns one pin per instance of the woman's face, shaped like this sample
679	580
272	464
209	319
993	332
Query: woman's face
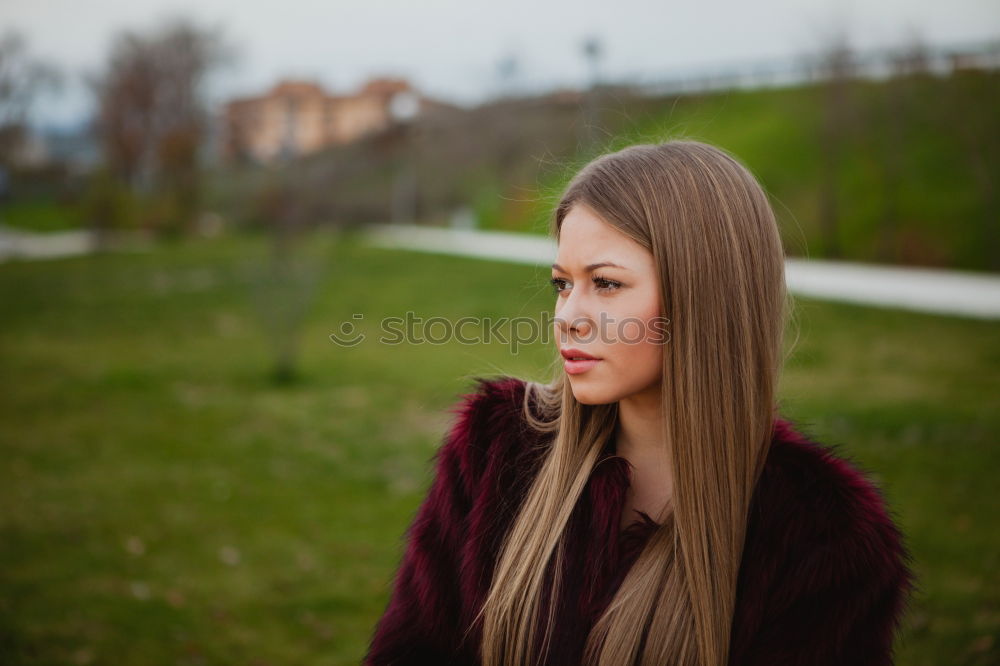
609	312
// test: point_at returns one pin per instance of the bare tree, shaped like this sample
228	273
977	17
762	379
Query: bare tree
286	282
897	96
152	117
978	137
22	79
592	51
837	72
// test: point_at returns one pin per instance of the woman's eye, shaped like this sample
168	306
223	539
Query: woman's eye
604	284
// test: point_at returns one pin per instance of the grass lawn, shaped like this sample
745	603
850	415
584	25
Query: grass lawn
163	502
40	215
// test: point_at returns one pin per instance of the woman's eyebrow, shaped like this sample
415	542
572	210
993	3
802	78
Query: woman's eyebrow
590	267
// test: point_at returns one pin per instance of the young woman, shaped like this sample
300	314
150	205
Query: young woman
649	505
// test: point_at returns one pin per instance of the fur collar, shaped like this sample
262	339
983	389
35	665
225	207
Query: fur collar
825	575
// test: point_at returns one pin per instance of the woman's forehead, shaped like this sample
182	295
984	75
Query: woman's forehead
587	242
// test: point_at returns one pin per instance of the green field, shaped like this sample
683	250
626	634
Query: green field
164	502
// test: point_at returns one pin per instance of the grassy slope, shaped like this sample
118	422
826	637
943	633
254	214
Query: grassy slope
936	134
163	503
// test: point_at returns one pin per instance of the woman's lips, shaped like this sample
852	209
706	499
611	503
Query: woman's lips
577	361
577	367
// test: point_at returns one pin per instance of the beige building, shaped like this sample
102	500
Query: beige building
299	117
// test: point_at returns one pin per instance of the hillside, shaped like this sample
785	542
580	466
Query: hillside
901	171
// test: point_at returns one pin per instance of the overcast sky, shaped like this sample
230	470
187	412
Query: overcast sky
451	48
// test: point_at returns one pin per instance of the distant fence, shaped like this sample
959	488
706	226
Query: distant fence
874	64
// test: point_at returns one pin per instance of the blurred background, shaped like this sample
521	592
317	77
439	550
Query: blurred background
193	472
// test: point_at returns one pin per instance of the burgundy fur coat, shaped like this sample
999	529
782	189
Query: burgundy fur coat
824	579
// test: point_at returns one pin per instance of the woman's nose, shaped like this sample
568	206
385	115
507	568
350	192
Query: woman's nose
573	321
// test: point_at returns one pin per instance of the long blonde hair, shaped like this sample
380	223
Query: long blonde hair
714	238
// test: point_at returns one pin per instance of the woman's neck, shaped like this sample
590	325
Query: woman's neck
639	431
639	439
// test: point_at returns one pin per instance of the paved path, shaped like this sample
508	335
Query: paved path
20	244
43	245
928	290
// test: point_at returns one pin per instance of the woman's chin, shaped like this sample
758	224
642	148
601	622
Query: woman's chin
590	395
